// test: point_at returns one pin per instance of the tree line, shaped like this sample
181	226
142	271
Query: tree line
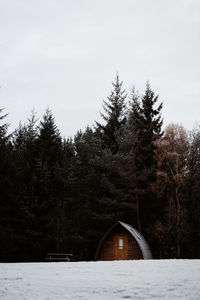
62	195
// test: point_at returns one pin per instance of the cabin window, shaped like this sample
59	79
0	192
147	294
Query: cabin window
121	243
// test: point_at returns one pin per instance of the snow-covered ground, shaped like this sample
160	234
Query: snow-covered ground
144	279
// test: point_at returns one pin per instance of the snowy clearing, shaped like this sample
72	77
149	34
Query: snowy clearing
144	279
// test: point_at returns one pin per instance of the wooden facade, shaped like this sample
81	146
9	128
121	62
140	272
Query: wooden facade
122	242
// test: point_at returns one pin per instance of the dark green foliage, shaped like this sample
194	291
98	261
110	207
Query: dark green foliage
192	192
11	215
24	153
49	185
61	195
116	163
114	116
88	189
148	125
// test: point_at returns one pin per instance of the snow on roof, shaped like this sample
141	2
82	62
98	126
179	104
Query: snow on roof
140	240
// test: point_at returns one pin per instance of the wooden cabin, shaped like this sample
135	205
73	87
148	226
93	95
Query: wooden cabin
122	242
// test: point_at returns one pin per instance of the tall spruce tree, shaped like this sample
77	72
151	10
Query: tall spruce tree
128	159
11	215
87	189
192	191
112	199
114	116
6	204
25	158
148	125
24	149
49	184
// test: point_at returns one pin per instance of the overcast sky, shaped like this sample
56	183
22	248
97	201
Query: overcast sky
63	54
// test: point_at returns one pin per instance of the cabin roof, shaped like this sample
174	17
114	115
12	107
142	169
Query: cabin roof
140	239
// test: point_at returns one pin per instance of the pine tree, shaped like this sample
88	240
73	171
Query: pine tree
121	168
192	190
24	142
148	125
3	129
11	216
25	152
86	189
49	188
151	127
5	202
111	197
114	116
134	147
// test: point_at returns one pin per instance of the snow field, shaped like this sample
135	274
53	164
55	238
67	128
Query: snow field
144	279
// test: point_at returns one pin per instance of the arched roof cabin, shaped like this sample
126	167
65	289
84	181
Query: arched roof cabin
122	242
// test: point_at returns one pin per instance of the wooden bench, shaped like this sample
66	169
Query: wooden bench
59	257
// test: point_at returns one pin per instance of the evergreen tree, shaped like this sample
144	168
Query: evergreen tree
62	195
11	216
133	141
192	190
49	184
121	168
26	159
3	129
86	191
24	144
111	198
150	129
148	125
114	116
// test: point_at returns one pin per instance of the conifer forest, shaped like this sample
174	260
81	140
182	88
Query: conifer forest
62	194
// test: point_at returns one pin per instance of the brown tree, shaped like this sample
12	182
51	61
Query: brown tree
172	154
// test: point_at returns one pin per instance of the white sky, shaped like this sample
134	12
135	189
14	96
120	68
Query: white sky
63	54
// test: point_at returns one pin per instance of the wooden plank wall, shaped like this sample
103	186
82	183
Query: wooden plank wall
107	252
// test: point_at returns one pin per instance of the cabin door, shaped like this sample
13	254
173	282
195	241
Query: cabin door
120	247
